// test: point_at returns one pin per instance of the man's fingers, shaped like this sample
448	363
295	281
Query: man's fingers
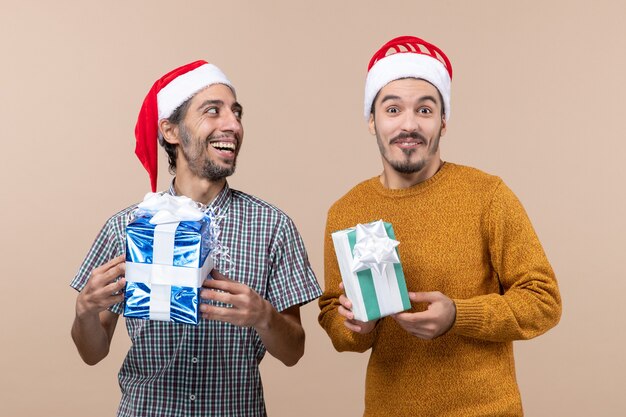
116	299
114	270
224	314
412	318
222	297
345	307
219	276
219	281
352	326
425	297
360	326
425	324
117	291
401	317
345	312
120	283
106	266
114	261
115	287
226	285
345	302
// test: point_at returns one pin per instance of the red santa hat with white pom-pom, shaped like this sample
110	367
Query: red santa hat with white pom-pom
408	57
165	96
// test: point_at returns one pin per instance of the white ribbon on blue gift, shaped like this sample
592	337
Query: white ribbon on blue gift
161	275
376	251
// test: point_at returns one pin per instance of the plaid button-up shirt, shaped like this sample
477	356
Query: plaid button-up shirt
211	369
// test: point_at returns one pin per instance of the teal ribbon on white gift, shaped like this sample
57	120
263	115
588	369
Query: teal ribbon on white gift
371	271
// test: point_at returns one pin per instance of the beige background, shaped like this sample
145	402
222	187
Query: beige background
538	98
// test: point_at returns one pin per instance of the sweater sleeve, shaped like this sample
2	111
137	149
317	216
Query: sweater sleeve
529	303
343	339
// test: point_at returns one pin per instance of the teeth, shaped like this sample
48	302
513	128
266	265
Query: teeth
224	145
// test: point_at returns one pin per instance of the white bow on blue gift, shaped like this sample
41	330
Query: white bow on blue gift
373	249
168	208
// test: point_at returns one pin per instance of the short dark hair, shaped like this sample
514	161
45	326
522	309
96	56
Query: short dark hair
443	105
177	116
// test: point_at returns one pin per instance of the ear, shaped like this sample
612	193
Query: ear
371	124
169	131
444	125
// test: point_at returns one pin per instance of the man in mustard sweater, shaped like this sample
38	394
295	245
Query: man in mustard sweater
477	276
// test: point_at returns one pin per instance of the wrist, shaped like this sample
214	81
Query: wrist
82	309
265	317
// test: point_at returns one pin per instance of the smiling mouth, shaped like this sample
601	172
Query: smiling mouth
224	146
407	142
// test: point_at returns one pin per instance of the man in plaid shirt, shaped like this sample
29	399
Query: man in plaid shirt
211	369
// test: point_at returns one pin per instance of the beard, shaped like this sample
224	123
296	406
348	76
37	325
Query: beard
199	162
406	166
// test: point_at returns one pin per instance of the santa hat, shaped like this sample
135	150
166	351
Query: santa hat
408	57
165	96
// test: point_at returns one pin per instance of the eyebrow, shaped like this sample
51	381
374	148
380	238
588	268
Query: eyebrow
219	103
427	98
210	102
389	97
421	100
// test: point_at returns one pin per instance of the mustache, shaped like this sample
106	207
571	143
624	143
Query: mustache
406	135
224	136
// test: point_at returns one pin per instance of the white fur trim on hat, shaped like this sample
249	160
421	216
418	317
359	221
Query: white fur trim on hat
186	85
407	65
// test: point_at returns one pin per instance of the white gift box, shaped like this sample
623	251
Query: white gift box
371	271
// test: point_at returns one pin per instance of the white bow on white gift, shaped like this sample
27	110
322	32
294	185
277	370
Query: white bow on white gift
170	209
373	249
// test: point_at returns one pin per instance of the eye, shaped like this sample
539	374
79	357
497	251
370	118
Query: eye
424	110
211	110
393	110
238	113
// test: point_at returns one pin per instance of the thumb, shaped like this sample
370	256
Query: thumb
215	274
424	297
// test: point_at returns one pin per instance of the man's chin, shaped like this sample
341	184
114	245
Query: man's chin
214	172
407	168
218	176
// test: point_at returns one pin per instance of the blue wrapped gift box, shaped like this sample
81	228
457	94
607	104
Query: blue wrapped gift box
165	267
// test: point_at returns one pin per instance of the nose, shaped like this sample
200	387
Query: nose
230	122
410	122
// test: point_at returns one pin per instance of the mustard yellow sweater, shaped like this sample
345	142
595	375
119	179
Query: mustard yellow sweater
465	234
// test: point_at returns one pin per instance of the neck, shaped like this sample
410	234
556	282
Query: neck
394	180
198	189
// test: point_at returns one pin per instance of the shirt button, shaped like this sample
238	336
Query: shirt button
194	360
192	397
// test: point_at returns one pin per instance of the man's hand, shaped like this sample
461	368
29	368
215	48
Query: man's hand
94	325
345	310
248	309
432	323
281	333
102	291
